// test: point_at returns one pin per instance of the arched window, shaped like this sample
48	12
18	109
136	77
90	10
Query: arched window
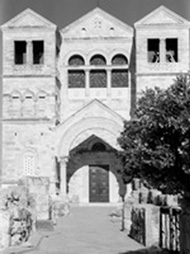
76	77
29	163
98	147
119	77
16	104
28	105
98	60
119	59
98	77
76	60
41	104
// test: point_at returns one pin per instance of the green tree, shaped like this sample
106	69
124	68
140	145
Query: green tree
156	141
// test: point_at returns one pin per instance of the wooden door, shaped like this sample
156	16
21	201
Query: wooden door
99	183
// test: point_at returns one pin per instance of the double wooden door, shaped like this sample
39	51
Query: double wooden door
99	183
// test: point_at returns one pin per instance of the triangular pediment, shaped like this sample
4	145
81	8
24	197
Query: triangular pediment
162	15
97	23
28	18
94	109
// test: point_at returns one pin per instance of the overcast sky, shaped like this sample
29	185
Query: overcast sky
63	12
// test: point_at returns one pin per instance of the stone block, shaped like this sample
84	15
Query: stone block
146	227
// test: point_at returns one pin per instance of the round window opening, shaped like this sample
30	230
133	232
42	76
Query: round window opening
98	147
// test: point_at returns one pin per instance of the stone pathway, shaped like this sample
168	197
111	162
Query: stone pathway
87	230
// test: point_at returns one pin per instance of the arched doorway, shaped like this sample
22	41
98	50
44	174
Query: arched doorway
89	138
92	172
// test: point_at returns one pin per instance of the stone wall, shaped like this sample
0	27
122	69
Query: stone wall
17	216
145	224
39	189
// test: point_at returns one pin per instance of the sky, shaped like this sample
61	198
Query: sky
63	12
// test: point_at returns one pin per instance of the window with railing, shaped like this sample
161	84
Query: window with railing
29	52
99	73
20	52
171	47
153	50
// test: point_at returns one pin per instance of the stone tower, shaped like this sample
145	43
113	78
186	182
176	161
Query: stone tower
29	96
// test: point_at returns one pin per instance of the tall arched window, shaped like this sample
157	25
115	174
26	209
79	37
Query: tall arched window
98	76
76	76
120	74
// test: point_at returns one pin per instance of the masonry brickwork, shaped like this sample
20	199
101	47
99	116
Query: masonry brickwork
66	94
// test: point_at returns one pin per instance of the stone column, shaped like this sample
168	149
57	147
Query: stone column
87	83
129	79
162	51
108	82
29	52
63	174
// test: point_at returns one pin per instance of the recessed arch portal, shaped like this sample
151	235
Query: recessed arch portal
89	126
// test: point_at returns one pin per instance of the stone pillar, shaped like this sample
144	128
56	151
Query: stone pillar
162	51
108	82
63	174
87	82
29	52
129	79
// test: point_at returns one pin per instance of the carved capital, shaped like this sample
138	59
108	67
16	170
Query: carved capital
64	159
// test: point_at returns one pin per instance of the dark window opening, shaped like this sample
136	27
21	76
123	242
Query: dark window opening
20	52
15	97
38	52
153	50
98	78
98	147
76	60
98	60
119	78
76	79
171	50
28	97
42	97
119	60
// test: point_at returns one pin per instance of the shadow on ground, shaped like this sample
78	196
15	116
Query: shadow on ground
151	250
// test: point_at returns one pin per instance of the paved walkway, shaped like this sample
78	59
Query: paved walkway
87	230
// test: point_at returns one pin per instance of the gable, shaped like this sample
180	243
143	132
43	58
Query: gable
28	18
162	15
95	109
97	23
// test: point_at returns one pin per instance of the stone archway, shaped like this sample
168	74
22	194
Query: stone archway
92	172
98	121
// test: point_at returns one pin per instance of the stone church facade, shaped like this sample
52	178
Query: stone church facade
66	94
